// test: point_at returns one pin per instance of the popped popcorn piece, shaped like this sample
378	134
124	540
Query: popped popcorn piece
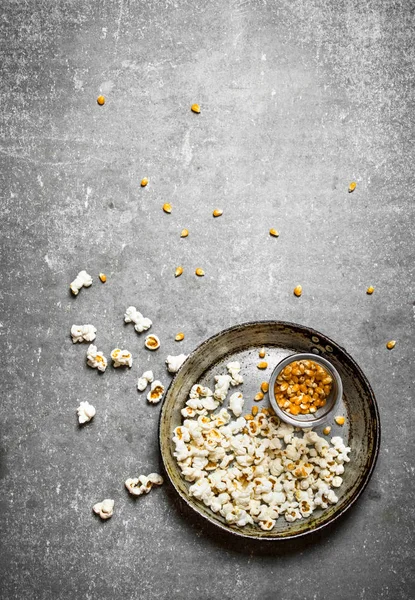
236	402
83	333
132	315
234	369
152	342
175	362
143	484
121	358
222	387
143	381
95	359
104	509
156	392
85	412
81	280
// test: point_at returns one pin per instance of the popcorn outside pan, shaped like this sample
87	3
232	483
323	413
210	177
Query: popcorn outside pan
361	431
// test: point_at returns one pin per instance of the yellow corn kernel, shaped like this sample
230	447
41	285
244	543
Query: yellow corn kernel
184	233
262	365
391	344
327	430
267	411
199	272
298	290
179	337
274	232
370	290
265	386
195	108
352	187
217	212
248	417
340	420
101	100
254	411
178	271
259	397
261	353
144	182
167	208
103	277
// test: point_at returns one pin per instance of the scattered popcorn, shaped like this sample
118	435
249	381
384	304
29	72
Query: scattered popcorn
254	469
152	342
234	369
96	359
175	362
85	412
132	315
156	392
81	280
121	358
236	402
143	381
83	333
142	484
104	509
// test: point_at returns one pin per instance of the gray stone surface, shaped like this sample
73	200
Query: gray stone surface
298	99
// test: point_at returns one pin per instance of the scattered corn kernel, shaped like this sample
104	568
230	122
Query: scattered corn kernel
167	208
178	271
101	100
274	232
265	386
179	337
298	290
195	108
259	396
391	344
200	272
144	182
103	277
262	365
352	186
217	212
370	290
261	353
340	420
267	411
254	411
184	233
327	430
248	417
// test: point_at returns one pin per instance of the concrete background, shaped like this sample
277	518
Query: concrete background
298	99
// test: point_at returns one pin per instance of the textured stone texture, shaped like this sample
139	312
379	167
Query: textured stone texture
298	99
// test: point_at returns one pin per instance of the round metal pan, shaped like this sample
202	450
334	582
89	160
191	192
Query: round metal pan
242	342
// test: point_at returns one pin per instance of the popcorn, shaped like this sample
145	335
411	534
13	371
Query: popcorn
143	381
234	371
83	333
81	280
255	470
142	484
104	509
132	315
156	392
121	358
152	342
175	362
222	387
85	412
236	402
95	359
